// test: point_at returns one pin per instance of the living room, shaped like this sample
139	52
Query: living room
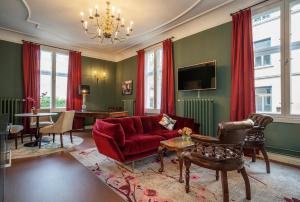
107	101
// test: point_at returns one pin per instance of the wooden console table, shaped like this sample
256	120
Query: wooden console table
100	114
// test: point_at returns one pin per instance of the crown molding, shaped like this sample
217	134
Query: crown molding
17	37
206	20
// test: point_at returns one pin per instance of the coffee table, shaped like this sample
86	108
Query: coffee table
177	144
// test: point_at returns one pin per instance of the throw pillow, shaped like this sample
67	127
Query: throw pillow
167	122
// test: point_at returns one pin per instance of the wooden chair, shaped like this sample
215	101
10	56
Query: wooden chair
43	121
255	139
16	131
62	125
224	153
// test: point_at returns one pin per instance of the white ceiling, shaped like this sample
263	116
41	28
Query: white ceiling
58	21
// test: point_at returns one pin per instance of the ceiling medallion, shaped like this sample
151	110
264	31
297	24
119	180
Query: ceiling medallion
108	25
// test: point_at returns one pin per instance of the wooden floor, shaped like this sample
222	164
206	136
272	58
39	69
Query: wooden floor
56	178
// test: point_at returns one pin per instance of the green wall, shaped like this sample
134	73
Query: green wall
11	74
212	44
215	44
102	94
126	70
208	45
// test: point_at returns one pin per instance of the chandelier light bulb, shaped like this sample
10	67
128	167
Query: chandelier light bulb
113	11
82	16
123	22
85	25
91	12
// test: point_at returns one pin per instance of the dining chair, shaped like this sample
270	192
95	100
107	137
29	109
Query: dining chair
43	121
62	125
16	131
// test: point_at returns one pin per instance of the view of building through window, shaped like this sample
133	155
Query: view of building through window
153	79
53	83
272	87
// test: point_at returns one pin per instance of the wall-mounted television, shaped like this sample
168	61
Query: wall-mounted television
198	77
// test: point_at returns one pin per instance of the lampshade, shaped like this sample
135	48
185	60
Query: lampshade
84	90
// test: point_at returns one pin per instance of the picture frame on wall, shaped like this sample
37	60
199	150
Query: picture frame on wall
127	87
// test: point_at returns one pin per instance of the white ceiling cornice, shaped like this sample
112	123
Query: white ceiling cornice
198	16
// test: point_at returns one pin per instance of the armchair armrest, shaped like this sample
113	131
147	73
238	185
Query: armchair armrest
204	139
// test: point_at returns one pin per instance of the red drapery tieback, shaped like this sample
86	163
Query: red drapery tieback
31	76
140	86
242	64
167	91
74	100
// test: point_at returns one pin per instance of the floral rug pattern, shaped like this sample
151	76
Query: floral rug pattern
146	184
46	148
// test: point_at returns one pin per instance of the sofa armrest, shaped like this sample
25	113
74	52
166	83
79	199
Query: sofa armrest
106	145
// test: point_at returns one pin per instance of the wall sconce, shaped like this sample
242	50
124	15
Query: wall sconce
83	90
100	77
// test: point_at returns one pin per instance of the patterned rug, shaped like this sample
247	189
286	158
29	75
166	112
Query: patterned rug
146	184
48	147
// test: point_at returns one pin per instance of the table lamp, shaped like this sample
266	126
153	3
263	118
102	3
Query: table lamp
84	90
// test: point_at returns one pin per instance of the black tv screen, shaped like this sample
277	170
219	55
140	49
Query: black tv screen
197	77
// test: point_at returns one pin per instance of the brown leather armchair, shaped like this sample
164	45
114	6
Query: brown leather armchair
224	153
255	139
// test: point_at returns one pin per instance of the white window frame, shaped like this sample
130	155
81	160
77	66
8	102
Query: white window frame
285	116
156	109
54	51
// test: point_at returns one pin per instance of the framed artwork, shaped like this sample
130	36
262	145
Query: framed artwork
127	87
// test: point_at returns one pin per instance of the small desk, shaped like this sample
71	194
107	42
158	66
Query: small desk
37	116
101	114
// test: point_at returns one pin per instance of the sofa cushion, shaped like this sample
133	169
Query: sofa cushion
151	123
167	134
182	122
140	143
130	125
113	130
167	122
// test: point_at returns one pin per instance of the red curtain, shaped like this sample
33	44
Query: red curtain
31	76
140	105
242	64
167	92
74	100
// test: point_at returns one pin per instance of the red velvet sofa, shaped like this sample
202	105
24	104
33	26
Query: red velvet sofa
131	138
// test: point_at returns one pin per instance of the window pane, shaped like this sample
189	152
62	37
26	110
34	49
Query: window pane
61	80
263	97
149	80
295	57
158	76
266	39
46	79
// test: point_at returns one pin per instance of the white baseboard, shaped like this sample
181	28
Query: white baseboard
283	159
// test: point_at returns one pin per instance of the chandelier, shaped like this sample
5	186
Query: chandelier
108	25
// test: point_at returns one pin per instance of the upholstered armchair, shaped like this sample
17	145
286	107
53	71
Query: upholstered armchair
223	153
255	139
62	125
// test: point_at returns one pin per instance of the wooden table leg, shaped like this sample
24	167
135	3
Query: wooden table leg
161	155
180	165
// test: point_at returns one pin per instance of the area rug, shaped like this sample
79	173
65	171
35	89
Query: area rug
46	148
146	184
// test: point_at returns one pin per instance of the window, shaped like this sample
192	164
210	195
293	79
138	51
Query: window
263	98
276	42
153	76
53	79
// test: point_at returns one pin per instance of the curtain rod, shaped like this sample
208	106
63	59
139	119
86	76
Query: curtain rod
249	7
49	46
172	37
